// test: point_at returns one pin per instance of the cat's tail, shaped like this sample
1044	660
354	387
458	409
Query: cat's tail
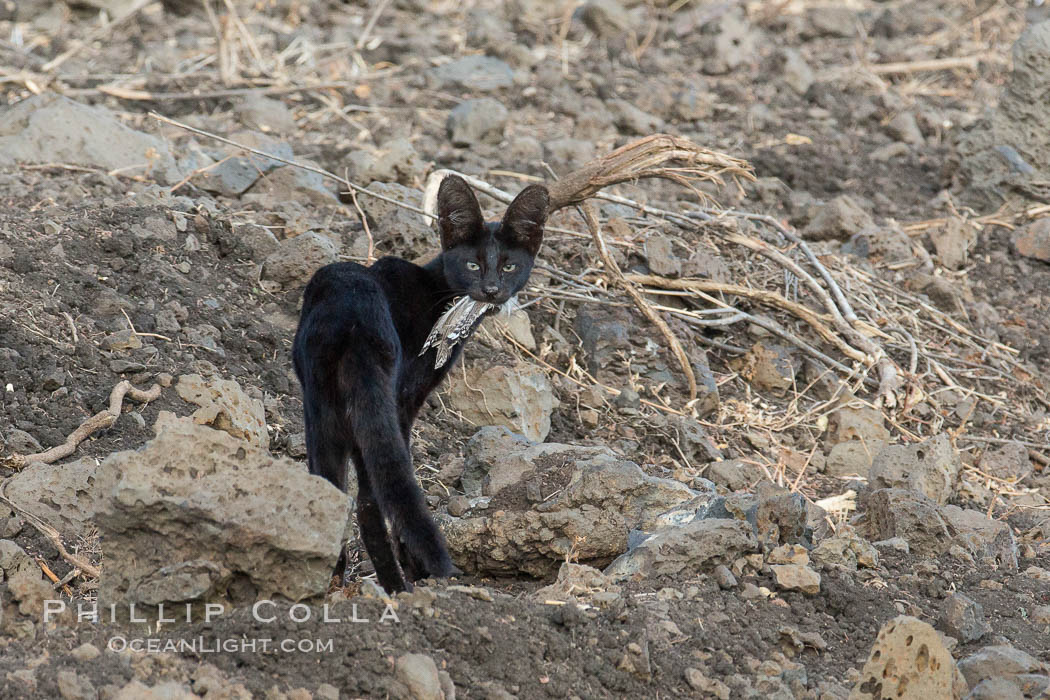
388	466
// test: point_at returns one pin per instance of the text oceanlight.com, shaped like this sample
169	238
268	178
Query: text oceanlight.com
232	645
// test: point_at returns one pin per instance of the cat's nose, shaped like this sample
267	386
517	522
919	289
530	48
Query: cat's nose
490	290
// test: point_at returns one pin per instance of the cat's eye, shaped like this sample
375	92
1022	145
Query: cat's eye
510	267
473	266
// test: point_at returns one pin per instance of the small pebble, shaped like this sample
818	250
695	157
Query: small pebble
724	577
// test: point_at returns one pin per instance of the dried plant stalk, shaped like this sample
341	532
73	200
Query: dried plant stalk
659	155
97	422
761	296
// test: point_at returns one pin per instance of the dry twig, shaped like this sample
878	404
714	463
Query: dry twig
97	422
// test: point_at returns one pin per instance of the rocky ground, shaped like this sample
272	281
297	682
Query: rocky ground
789	533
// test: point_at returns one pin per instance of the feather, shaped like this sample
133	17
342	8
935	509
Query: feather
454	326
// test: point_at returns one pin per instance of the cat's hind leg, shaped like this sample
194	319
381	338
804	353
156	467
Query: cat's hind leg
368	377
327	456
376	538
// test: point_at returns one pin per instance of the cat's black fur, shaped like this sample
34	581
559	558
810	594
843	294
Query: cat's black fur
356	354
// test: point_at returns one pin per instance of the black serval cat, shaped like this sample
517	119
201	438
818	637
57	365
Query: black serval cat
357	356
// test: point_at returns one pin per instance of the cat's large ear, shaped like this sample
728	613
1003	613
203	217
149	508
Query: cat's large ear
525	217
459	214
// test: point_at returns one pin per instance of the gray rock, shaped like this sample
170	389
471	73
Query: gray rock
233	176
85	652
724	577
458	505
1033	240
72	686
858	423
904	127
56	493
839	219
121	340
289	183
686	550
535	543
577	582
1009	149
477	121
833	20
599	491
262	526
850	458
1009	462
394	161
698	507
846	550
619	485
296	445
524	149
207	336
734	474
632	120
13	559
168	690
1002	661
690	434
10	524
516	323
1040	615
931	530
996	689
908	515
891	151
963	618
22	443
1033	685
796	577
327	691
53	380
708	264
28	587
297	259
396	227
771	366
419	673
692	104
497	459
258	111
779	516
659	250
475	73
492	450
953	242
225	406
378	210
930	467
258	241
568	153
50	128
982	536
797	73
708	687
602	335
520	398
734	43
